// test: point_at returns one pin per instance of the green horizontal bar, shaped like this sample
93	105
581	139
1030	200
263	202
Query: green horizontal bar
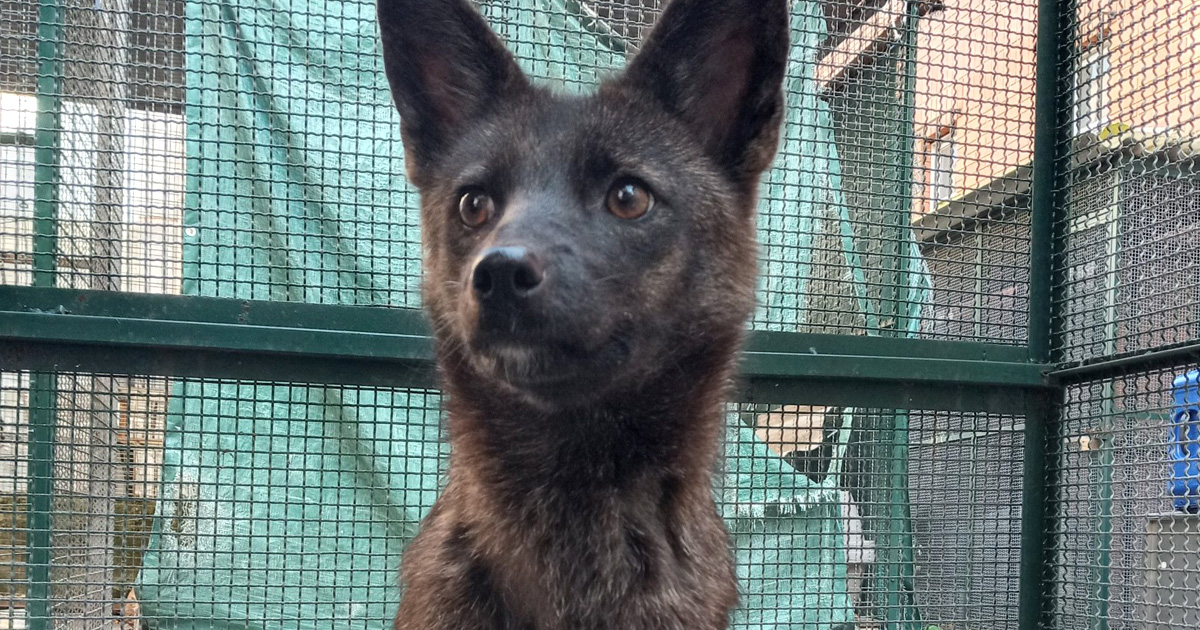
113	331
65	329
185	308
1132	363
896	394
863	345
412	322
51	327
913	369
53	357
40	356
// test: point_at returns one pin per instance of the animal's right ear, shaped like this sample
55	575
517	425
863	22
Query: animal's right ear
719	65
446	69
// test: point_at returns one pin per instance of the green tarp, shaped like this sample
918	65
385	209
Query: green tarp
289	506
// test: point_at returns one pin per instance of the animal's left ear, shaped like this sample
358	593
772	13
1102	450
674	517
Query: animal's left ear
719	66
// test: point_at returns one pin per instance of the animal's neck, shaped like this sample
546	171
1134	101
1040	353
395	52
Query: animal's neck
628	444
570	510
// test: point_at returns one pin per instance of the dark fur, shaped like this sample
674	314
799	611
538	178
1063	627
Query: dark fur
585	425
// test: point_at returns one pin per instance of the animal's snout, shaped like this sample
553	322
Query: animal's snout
506	276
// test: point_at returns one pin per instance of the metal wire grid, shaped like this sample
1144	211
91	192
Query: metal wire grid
119	171
960	505
123	219
1124	557
1130	283
631	19
957	168
981	280
881	91
153	488
258	555
107	453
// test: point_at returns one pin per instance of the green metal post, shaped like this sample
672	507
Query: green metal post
43	393
1047	240
1035	596
47	143
902	217
43	403
904	615
1048	195
896	567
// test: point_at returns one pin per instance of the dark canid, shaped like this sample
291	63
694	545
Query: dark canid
589	265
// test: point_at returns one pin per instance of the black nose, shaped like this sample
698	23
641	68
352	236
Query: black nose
506	274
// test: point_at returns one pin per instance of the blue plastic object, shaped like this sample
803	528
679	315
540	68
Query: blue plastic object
1185	443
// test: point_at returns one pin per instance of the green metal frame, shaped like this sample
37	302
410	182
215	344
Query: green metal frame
1048	204
45	329
43	393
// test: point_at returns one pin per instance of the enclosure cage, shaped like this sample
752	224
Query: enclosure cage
968	401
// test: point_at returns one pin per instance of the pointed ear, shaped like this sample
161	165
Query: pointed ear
719	66
446	69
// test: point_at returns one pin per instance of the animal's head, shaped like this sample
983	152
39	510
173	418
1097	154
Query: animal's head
575	247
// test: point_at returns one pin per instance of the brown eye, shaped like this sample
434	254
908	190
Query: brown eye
629	199
475	208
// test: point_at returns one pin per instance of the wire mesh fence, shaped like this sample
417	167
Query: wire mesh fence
1125	556
262	162
206	503
220	503
1125	544
234	149
1130	278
